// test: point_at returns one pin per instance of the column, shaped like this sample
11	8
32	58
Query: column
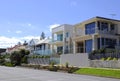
63	41
100	42
74	47
52	45
93	42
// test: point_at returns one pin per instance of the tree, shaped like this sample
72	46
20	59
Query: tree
25	43
18	57
42	36
15	58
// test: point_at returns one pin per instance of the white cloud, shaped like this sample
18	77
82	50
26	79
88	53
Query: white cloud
29	24
53	26
27	38
8	31
18	32
7	42
11	41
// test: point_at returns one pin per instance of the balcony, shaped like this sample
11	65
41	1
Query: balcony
43	52
82	32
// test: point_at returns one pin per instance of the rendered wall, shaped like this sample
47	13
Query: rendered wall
79	60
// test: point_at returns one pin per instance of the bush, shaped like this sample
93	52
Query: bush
67	65
72	69
9	64
53	68
109	58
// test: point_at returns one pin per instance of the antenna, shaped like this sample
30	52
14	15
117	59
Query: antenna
113	15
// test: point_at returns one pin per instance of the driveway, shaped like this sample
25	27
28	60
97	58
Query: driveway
24	74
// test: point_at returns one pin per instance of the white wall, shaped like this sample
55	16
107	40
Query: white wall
79	60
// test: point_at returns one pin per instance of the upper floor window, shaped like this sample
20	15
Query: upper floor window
104	26
60	37
112	27
67	34
90	28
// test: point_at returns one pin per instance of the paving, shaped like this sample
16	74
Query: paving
25	74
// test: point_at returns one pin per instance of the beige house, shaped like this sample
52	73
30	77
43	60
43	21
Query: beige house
89	35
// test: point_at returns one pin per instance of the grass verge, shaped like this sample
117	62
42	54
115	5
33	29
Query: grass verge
112	73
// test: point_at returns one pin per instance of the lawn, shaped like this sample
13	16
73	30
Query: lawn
113	73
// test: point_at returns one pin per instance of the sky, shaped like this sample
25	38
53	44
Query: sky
22	20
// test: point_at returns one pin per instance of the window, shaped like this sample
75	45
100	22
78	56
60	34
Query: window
67	34
60	37
104	26
88	45
112	27
90	28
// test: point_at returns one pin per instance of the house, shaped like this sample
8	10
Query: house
15	48
40	47
89	35
62	39
96	33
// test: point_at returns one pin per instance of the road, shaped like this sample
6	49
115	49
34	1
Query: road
24	74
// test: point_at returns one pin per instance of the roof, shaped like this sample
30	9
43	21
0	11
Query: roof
107	18
38	41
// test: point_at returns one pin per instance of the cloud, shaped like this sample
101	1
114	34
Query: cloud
8	31
11	41
27	38
18	32
53	26
8	42
29	24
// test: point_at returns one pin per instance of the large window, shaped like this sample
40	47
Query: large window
60	37
106	42
102	26
90	28
88	46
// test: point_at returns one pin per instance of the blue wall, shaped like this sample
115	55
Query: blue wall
88	46
90	28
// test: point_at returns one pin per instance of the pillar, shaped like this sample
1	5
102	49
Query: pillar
74	47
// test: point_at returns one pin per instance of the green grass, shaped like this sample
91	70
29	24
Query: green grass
113	73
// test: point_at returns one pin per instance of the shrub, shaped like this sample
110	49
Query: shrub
109	58
53	68
66	64
9	64
72	69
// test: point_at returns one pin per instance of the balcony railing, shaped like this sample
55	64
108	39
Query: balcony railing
43	52
82	32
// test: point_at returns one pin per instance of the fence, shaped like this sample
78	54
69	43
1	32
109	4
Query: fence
104	55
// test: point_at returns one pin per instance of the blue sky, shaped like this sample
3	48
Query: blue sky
24	19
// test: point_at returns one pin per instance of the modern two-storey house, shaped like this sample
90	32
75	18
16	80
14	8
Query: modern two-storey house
96	33
89	35
62	39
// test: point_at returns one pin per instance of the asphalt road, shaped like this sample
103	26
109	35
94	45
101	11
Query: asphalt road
24	74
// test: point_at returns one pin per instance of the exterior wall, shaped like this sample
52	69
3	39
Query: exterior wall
98	28
105	64
79	60
66	32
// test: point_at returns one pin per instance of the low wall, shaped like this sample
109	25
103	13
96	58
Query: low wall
38	61
79	60
105	64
